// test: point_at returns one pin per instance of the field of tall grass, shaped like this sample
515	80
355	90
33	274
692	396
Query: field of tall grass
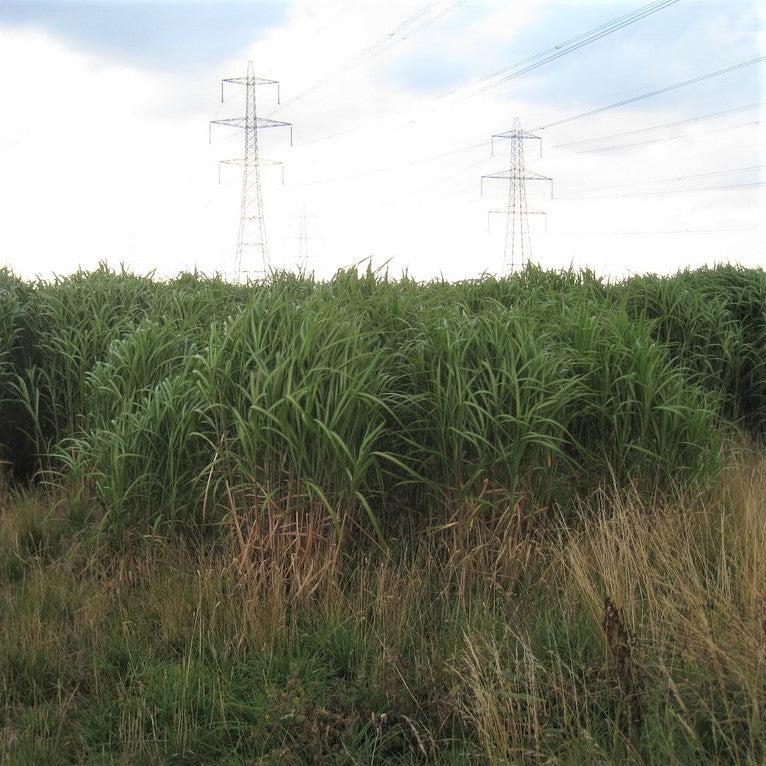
370	520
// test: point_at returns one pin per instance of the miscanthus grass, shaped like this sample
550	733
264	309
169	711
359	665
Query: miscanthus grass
385	397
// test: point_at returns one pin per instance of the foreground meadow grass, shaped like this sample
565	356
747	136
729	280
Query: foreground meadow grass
632	633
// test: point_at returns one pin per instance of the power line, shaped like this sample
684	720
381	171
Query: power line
398	166
572	45
710	174
340	13
379	46
675	124
656	232
423	25
473	165
543	57
578	116
652	93
667	191
427	23
681	137
394	41
486	144
554	48
673	179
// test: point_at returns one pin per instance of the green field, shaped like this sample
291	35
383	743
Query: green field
516	520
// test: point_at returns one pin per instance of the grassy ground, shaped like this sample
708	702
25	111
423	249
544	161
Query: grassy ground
363	520
634	633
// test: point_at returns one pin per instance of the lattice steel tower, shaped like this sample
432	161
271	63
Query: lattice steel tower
304	234
303	241
252	255
518	243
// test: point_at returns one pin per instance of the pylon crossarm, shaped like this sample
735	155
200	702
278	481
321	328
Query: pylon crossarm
254	80
528	175
518	135
527	212
507	175
506	212
260	122
242	161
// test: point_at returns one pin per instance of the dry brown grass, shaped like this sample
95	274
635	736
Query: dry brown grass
518	636
678	592
690	579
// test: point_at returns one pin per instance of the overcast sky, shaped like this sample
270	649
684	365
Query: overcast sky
104	151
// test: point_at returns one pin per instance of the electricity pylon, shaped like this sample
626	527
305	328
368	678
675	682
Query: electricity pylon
252	242
518	243
304	233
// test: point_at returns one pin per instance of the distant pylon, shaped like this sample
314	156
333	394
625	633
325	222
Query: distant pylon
252	254
518	243
303	241
303	235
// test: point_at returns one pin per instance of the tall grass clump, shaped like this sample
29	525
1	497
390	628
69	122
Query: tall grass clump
543	399
165	400
386	397
280	398
64	329
16	429
71	323
713	322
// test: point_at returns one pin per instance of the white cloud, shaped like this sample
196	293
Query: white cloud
101	161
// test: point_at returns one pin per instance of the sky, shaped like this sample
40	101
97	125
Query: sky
105	152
